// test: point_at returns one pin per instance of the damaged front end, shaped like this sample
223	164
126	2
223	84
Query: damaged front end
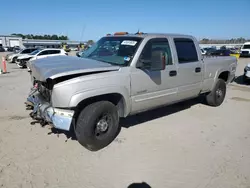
42	110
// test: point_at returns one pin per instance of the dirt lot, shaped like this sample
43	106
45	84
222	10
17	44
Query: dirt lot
186	145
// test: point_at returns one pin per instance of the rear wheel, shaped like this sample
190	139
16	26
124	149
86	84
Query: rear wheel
97	125
217	95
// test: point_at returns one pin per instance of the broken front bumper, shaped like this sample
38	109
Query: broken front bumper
43	111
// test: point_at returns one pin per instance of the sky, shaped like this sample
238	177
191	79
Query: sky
85	20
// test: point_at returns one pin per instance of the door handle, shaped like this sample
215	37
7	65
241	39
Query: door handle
173	73
197	69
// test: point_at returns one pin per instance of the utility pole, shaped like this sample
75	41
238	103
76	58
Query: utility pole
83	29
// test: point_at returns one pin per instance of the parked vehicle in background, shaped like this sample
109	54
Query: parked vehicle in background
2	49
245	50
209	50
5	49
12	57
141	72
223	48
73	48
80	53
246	76
17	49
221	52
10	49
39	54
234	50
203	52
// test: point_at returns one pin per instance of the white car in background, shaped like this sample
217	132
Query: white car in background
12	57
39	54
246	76
245	50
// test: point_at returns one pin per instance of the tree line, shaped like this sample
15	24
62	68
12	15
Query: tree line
228	41
45	37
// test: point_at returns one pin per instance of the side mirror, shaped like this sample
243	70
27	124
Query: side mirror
158	60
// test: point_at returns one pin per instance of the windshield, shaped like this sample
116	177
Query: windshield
247	46
35	52
113	50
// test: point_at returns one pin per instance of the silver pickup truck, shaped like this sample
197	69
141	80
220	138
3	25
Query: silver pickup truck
121	75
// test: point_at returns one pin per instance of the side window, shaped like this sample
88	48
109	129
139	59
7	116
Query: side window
54	52
186	50
155	46
31	50
26	51
45	52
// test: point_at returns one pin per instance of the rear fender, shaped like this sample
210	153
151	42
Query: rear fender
218	72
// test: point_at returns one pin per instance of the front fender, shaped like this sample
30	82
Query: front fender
80	96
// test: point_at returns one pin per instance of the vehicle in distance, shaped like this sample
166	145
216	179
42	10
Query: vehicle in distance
12	57
209	50
203	52
80	53
39	54
2	49
246	76
245	50
221	52
121	75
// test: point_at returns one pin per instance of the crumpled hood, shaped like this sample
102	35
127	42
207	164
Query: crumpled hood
58	66
25	56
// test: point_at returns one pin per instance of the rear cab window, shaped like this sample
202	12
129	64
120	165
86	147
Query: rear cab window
186	50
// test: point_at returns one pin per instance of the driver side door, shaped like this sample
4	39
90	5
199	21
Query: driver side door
152	87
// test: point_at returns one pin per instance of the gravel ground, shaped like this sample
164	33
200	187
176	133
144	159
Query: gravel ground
186	145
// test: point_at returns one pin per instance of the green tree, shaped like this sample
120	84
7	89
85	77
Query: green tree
54	37
46	37
90	42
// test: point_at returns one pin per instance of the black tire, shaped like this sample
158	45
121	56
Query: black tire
14	59
87	132
244	79
218	93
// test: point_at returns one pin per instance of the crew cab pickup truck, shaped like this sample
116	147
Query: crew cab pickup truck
121	75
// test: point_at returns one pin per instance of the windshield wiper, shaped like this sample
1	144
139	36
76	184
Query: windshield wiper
108	62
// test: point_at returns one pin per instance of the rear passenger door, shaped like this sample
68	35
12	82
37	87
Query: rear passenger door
190	68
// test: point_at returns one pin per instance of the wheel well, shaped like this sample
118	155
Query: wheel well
224	75
115	98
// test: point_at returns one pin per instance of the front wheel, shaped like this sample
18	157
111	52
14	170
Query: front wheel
218	93
14	59
97	125
244	79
